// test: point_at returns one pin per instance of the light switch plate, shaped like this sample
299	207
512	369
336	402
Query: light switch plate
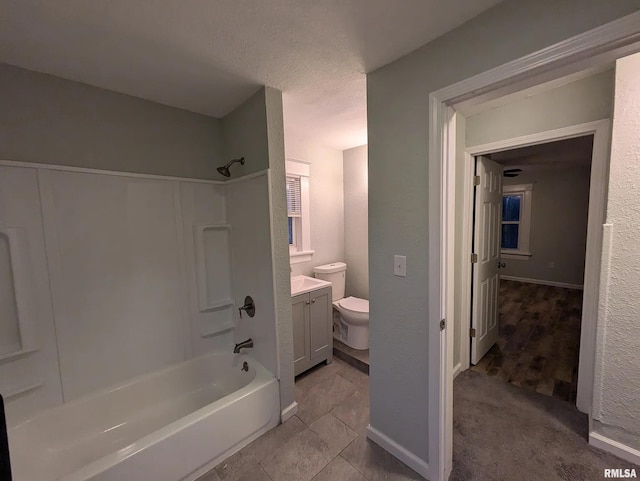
400	266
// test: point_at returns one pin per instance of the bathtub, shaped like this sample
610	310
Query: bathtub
169	425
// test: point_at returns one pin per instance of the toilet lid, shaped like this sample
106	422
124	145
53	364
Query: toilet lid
355	304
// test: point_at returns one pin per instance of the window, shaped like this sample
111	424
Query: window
516	221
294	209
298	217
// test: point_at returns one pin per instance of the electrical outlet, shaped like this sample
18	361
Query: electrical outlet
400	266
552	265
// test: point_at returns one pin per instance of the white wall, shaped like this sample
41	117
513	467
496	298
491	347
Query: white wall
280	246
398	126
22	212
558	224
326	199
248	211
115	277
356	221
617	374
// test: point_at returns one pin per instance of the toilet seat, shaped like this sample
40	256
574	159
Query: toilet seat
355	305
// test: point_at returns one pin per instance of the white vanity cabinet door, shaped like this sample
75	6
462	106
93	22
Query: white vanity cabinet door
312	329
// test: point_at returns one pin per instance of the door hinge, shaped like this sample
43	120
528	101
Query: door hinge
472	332
476	180
474	258
442	324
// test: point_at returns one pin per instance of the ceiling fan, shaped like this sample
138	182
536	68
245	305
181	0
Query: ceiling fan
512	172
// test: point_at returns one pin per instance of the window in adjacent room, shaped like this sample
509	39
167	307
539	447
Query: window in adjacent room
298	216
516	220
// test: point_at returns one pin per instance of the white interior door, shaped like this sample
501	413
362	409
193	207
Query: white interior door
486	244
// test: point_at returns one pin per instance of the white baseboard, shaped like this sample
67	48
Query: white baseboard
542	282
457	369
289	411
614	447
407	457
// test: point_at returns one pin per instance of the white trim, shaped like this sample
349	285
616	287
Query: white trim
619	33
457	369
614	447
414	462
517	188
300	256
297	168
600	130
542	282
516	255
117	173
569	56
289	411
301	251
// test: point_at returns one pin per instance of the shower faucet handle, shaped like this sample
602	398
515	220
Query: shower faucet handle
249	307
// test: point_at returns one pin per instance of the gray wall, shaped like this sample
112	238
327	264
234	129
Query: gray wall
575	103
356	225
244	134
397	101
559	211
617	372
50	120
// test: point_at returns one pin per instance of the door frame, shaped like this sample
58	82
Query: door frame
594	47
601	131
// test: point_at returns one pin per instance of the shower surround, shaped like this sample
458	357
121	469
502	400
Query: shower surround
114	276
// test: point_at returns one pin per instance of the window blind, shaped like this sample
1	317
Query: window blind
294	196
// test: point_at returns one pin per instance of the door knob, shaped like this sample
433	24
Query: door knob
501	265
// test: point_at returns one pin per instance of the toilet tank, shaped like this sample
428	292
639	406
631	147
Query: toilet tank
334	273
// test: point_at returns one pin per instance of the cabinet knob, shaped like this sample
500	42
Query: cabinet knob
313	300
307	302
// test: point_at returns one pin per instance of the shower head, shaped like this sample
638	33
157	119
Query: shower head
225	170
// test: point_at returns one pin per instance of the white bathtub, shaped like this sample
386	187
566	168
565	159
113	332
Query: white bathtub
170	425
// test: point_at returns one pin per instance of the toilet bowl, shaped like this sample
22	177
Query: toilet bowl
351	322
354	314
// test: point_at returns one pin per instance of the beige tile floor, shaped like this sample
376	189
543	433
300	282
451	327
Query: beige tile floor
325	441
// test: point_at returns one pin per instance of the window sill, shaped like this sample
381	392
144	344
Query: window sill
300	256
523	256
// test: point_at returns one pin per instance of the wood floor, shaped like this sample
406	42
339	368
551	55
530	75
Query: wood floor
539	341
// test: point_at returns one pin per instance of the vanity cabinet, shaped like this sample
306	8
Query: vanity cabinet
312	329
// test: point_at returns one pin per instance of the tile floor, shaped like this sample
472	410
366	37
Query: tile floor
356	357
325	441
539	341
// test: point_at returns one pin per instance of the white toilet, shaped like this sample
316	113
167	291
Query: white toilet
351	324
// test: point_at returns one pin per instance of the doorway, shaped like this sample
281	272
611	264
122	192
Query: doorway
529	243
567	57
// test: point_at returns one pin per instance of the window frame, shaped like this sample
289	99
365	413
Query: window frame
523	252
300	250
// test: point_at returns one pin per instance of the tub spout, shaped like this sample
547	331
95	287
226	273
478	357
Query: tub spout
242	345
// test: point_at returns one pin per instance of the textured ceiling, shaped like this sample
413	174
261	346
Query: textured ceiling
208	56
